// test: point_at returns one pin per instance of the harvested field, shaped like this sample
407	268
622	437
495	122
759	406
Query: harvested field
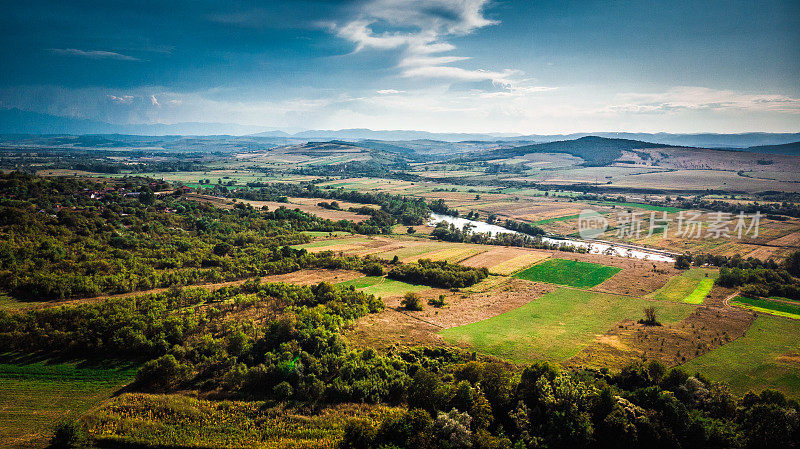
506	260
310	277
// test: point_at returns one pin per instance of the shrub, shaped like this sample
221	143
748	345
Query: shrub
68	435
412	301
437	302
283	391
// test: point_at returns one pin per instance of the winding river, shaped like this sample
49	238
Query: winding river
593	246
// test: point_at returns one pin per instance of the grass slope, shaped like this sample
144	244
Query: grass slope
557	325
767	356
568	272
36	396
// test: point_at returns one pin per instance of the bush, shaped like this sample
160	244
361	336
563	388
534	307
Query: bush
283	391
437	302
68	435
412	301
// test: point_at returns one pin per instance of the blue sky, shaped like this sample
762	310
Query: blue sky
437	65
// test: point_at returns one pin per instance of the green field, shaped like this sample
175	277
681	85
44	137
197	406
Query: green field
381	286
766	306
34	397
557	325
767	356
551	220
691	286
568	272
640	206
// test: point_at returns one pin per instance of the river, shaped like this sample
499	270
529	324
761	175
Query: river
594	247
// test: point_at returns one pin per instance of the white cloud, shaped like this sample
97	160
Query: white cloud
390	91
154	100
122	99
420	29
92	54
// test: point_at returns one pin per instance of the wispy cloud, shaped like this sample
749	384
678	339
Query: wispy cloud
685	98
420	30
92	54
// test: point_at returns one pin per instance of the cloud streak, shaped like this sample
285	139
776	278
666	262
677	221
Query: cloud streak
92	54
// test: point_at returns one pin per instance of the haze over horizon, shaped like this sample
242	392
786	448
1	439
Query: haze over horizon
447	66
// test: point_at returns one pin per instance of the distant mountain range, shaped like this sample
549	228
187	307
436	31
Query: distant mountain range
16	121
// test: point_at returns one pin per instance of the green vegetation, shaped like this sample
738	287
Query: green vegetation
36	395
691	286
768	306
767	356
552	220
438	274
764	282
568	272
557	325
391	287
699	294
66	238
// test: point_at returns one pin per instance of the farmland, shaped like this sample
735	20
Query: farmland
690	287
556	326
767	356
773	307
568	272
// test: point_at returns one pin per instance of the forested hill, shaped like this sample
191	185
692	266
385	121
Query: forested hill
792	149
596	151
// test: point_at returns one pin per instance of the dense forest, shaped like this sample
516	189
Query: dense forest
66	238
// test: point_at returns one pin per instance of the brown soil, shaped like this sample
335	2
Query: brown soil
710	326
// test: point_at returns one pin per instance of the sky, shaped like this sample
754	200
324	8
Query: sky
502	66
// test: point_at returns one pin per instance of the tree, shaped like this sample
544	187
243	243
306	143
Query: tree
650	317
412	301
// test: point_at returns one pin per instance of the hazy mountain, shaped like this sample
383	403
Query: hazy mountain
16	121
